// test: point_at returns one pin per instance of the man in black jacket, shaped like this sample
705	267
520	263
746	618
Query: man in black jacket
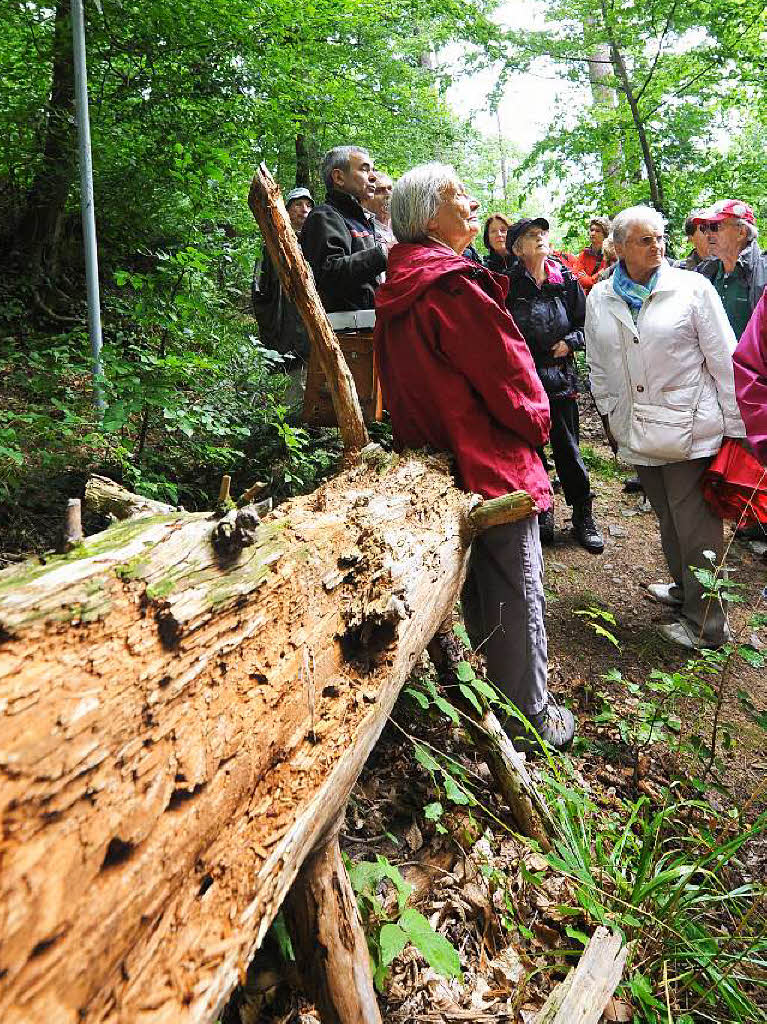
339	238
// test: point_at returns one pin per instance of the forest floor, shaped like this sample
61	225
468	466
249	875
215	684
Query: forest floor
500	903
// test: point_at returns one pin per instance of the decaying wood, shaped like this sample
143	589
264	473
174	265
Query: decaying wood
265	201
73	525
328	940
159	785
104	497
509	508
587	989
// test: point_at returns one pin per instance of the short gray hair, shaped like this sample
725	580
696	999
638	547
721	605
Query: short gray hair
416	198
635	215
338	158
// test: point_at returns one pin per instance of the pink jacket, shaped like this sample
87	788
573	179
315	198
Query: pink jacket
750	368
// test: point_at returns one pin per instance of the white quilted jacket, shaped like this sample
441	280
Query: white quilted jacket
666	384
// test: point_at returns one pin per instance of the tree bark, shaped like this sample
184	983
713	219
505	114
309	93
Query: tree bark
328	940
654	180
265	201
180	726
303	175
38	232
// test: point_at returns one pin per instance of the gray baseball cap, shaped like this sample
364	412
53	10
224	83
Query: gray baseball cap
298	193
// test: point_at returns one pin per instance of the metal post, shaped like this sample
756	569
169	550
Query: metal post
86	190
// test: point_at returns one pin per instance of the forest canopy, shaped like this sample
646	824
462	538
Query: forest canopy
185	100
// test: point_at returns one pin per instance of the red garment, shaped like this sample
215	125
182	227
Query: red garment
749	363
735	485
587	268
456	373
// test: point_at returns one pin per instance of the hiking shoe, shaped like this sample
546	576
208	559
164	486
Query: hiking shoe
683	635
758	531
546	526
666	593
586	530
632	486
556	485
554	723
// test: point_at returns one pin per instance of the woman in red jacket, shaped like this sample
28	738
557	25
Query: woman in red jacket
590	262
457	375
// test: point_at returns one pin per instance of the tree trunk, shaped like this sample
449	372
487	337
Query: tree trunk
654	180
601	76
303	175
37	235
265	201
182	721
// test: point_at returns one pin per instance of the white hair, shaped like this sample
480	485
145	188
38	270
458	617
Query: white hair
752	230
416	198
636	215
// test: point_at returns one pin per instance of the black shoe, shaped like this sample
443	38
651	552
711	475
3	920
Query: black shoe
756	532
554	723
633	486
546	526
556	485
586	530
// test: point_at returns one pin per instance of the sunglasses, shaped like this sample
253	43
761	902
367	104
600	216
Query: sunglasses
710	228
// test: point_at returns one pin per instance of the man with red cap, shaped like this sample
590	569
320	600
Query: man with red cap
736	267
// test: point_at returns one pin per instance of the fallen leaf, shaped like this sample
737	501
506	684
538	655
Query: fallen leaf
618	1011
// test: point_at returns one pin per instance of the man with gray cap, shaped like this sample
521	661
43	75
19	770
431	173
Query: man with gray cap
280	326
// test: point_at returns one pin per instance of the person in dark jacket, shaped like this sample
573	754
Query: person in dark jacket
494	237
339	238
698	239
548	306
736	267
280	327
457	376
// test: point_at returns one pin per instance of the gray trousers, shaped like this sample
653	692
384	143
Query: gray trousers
503	607
688	527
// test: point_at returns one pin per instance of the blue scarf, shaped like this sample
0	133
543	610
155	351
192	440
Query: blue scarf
632	293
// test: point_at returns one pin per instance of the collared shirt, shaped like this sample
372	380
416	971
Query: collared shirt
733	291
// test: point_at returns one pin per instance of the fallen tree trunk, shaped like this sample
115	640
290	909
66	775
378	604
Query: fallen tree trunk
180	727
587	989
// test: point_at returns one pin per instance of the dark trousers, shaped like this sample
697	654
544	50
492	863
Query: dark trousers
564	440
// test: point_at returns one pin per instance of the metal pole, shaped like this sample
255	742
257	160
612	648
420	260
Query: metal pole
86	190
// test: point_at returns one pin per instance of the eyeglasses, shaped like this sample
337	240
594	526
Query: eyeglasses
710	228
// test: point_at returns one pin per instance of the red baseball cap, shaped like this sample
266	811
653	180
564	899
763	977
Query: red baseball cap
726	208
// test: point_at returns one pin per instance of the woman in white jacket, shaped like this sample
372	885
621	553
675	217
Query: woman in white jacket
660	347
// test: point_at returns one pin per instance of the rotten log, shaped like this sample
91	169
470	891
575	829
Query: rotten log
582	997
177	731
265	201
104	497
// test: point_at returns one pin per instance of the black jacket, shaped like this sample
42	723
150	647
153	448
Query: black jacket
546	315
339	242
499	264
280	326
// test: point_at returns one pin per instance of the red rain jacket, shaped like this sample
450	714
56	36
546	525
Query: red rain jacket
587	267
456	373
750	369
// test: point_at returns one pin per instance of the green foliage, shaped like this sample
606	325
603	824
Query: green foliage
389	932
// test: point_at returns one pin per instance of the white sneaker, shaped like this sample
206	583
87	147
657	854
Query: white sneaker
685	636
666	593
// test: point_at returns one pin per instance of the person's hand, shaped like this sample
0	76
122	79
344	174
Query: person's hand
561	350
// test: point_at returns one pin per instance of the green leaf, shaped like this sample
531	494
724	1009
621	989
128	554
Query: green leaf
470	696
418	696
453	793
433	811
423	757
459	630
439	953
447	709
392	940
579	936
464	671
